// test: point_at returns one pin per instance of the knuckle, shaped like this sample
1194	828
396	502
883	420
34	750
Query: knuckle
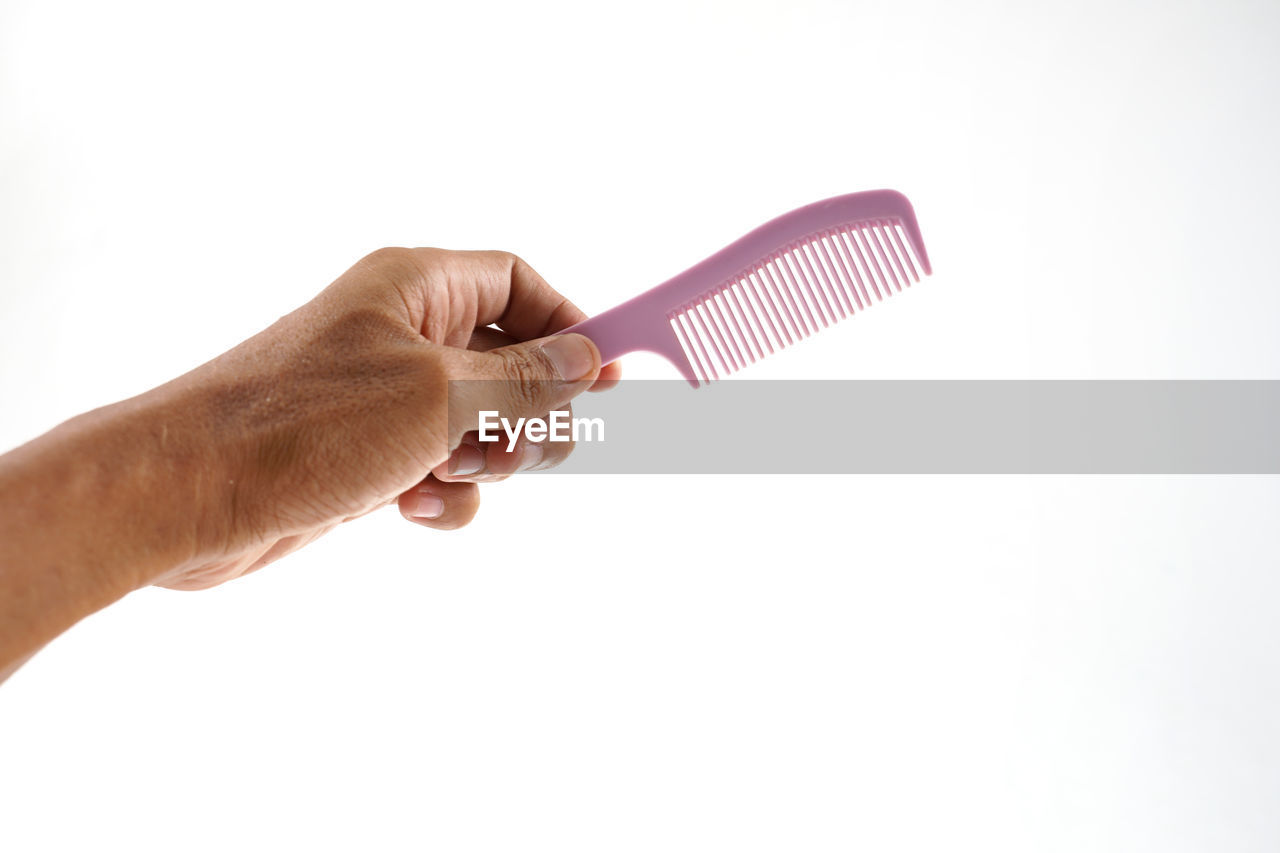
388	256
431	387
511	263
504	257
524	372
397	263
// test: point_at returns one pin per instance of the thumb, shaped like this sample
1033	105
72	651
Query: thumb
523	380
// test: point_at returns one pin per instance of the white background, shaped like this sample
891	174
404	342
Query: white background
637	663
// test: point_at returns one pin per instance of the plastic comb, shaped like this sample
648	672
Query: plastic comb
782	282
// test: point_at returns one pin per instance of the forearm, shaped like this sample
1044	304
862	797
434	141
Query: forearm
96	508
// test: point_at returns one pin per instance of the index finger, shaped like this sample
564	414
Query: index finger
520	302
512	296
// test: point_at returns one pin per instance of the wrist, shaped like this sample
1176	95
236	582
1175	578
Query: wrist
99	506
174	480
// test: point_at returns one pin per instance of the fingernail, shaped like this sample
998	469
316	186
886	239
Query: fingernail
427	506
571	355
466	460
530	456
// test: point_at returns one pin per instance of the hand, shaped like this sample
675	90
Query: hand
343	406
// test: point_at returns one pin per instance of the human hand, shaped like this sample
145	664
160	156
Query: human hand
343	406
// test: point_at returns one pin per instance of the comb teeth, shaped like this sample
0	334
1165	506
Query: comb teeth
806	286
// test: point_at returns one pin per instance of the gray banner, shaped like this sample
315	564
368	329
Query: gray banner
931	427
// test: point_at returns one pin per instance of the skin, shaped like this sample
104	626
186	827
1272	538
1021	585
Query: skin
346	405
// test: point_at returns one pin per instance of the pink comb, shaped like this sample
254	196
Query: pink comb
813	266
